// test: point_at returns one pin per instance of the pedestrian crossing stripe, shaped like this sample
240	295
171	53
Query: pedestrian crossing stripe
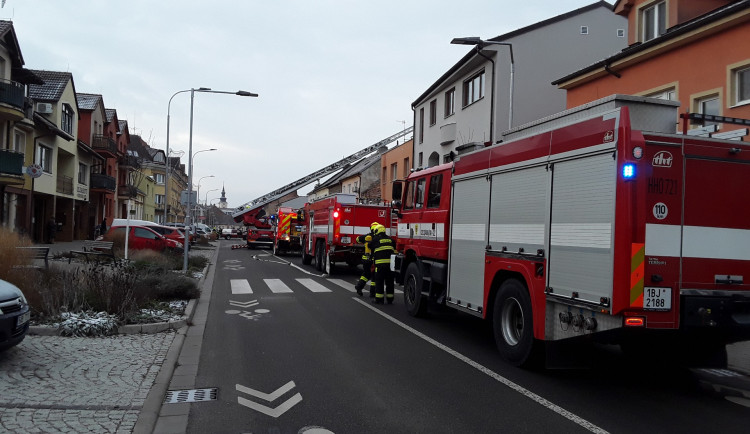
240	286
277	286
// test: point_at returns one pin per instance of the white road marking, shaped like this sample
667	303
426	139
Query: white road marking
277	286
273	412
313	285
516	387
240	286
344	284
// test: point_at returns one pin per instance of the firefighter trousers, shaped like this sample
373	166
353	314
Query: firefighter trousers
383	277
366	275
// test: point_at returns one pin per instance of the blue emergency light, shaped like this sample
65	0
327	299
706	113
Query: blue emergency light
628	171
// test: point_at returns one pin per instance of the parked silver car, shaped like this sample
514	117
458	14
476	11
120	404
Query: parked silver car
14	315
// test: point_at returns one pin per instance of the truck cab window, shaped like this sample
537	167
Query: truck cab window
419	199
409	197
433	195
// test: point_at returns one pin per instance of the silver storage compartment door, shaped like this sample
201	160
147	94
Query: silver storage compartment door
468	242
582	228
518	210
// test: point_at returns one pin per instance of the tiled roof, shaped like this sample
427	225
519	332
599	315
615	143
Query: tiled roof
123	125
87	101
111	113
5	26
53	87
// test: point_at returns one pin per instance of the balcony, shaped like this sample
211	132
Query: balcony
129	161
105	146
11	167
12	99
64	184
103	183
128	191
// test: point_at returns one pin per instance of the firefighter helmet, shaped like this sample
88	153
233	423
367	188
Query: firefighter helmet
374	227
380	229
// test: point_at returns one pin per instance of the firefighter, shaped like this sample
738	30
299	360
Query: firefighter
382	247
366	239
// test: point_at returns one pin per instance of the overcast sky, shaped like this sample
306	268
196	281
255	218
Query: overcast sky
333	76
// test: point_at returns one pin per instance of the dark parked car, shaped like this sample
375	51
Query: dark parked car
14	315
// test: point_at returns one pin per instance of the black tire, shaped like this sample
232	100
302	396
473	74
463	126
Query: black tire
512	323
306	259
415	301
320	252
226	237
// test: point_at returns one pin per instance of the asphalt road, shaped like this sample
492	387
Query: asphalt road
314	357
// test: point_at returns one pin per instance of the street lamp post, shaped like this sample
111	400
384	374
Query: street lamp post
198	192
190	156
209	191
480	43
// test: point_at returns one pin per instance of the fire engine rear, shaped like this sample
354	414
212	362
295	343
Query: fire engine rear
599	223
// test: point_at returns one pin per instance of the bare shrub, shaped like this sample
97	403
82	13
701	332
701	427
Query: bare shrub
10	257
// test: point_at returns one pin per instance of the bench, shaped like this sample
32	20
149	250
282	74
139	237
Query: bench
95	248
34	253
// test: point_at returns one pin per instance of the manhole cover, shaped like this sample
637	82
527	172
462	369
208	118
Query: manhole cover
192	395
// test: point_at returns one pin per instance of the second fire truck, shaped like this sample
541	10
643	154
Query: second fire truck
330	226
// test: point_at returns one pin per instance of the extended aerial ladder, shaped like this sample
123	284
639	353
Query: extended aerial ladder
332	168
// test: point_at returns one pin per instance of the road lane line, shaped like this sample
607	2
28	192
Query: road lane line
518	388
240	286
313	285
277	286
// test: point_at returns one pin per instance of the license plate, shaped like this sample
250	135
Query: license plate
346	240
657	298
23	319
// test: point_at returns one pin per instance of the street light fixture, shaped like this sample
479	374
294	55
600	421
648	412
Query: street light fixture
479	43
190	150
209	191
198	190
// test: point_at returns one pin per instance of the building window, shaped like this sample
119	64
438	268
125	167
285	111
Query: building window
584	30
421	125
420	160
474	89
83	171
394	171
450	102
742	85
654	20
708	105
667	94
385	174
406	167
66	123
44	158
620	33
159	178
159	199
19	141
433	112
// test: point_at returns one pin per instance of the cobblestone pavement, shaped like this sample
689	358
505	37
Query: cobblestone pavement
55	384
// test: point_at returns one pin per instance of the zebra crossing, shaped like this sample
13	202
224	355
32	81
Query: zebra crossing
278	286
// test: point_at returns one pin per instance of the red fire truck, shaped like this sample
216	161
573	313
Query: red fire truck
259	227
595	224
286	232
330	226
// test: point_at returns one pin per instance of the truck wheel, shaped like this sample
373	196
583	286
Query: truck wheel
415	301
319	256
512	323
306	259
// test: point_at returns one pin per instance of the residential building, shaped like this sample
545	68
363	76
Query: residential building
505	82
56	153
395	164
361	178
16	134
687	51
94	187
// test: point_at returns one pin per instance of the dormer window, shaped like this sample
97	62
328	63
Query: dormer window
654	20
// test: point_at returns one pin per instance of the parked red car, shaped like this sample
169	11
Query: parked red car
171	232
142	237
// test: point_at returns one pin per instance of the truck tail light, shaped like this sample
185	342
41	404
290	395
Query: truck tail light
635	321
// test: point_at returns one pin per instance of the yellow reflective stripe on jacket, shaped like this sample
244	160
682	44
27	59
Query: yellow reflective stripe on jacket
382	261
380	249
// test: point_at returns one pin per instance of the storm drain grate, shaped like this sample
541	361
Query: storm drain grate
192	395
